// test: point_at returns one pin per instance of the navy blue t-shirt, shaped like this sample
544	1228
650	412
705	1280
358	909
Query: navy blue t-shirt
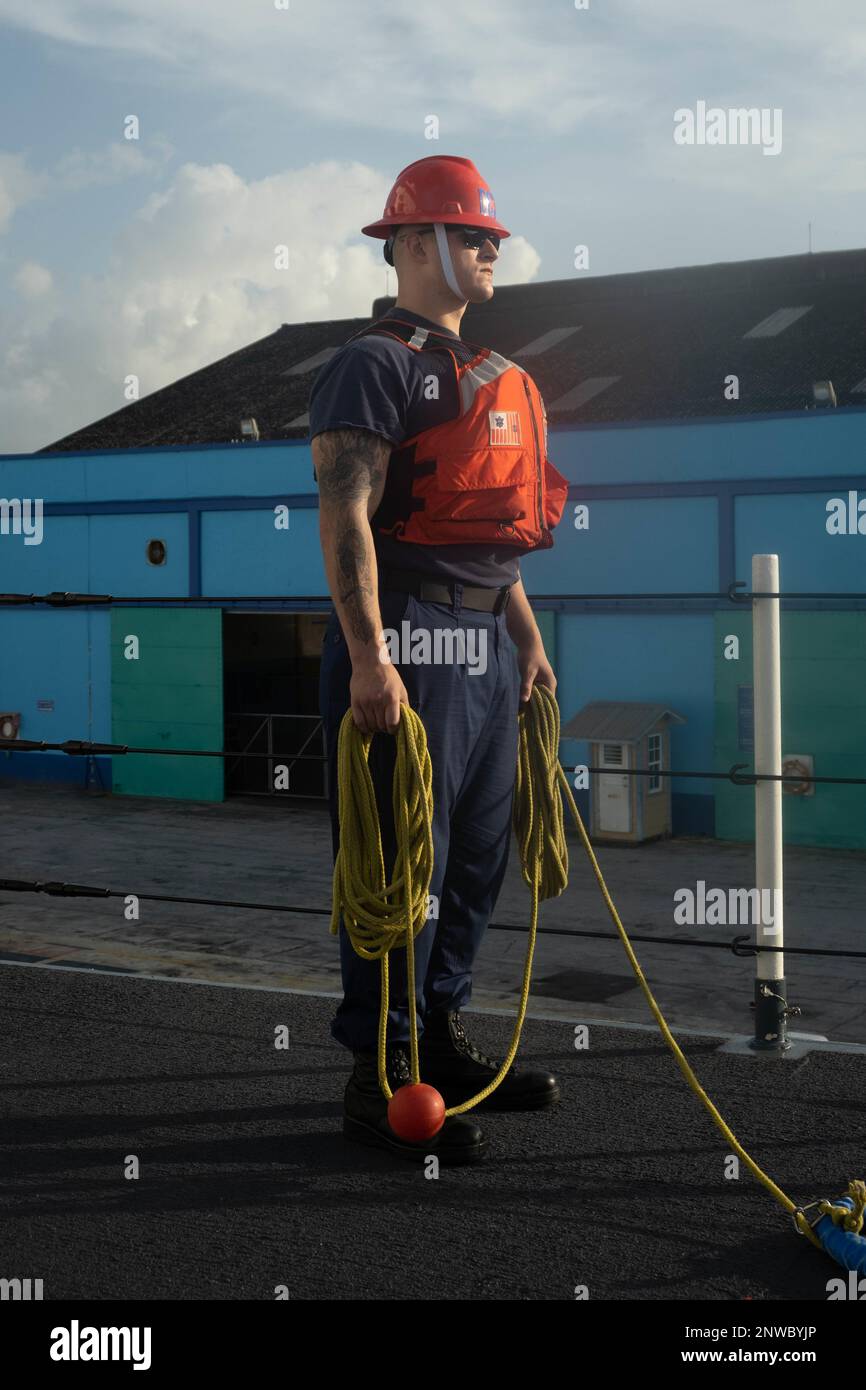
376	383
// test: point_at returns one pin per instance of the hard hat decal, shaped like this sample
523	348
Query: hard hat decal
488	206
504	426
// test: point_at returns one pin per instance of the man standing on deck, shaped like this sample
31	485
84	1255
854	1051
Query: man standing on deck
430	456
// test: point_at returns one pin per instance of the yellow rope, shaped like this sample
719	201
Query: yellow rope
380	916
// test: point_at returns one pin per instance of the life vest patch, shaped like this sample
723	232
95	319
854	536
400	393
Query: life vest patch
504	426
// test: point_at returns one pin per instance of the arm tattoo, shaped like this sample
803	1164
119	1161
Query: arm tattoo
355	580
352	464
351	470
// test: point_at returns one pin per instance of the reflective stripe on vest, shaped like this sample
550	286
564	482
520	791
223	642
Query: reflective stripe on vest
476	376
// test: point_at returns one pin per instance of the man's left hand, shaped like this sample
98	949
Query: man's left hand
534	666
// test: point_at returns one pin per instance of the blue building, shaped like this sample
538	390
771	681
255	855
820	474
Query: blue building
701	415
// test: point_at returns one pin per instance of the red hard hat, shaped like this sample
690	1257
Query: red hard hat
440	188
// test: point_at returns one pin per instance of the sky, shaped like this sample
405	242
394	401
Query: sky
282	123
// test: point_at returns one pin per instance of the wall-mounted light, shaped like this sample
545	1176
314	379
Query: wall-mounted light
10	725
823	393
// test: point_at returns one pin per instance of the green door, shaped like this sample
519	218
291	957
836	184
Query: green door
823	680
167	692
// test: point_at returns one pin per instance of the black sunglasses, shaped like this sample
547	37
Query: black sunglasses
473	237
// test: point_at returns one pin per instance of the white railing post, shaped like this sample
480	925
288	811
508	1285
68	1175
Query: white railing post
770	995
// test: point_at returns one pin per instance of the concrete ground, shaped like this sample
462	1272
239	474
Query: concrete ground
275	852
243	1183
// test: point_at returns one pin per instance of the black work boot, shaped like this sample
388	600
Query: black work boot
454	1065
365	1114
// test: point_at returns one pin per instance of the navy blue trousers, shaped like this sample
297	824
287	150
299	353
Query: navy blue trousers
470	719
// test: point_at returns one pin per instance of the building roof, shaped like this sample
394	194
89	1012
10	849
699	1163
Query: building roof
622	720
651	345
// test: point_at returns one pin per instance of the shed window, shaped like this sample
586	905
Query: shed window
654	761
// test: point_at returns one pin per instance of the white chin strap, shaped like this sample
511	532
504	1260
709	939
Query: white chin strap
445	259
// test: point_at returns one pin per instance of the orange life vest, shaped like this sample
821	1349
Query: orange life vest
483	476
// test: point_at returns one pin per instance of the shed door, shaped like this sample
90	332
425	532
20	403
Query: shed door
614	807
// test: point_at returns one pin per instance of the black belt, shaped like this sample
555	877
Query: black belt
408	582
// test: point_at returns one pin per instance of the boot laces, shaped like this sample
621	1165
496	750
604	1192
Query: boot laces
399	1068
463	1044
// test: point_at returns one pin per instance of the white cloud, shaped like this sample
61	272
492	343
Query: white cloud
18	185
546	65
74	171
799	58
346	64
833	37
123	159
609	77
33	280
518	262
192	278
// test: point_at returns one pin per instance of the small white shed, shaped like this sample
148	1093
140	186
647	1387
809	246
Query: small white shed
625	735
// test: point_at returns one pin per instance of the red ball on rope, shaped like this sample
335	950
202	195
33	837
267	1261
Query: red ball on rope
416	1112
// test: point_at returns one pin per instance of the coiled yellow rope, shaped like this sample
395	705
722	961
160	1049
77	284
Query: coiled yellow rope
380	916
